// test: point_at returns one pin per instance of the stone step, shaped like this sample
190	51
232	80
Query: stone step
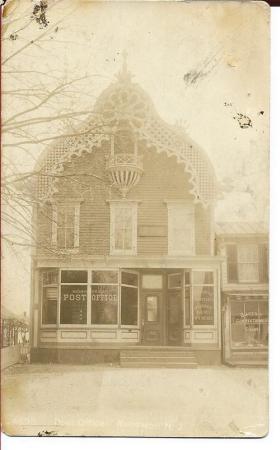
159	359
155	364
154	354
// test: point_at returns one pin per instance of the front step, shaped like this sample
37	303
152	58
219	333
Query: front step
177	358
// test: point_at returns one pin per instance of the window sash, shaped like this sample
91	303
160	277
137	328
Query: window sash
123	228
247	263
65	226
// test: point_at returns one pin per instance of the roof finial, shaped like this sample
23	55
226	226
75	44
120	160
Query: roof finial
124	74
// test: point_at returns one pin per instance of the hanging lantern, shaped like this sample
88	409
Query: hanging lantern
124	165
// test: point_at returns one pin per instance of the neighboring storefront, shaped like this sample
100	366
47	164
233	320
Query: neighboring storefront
245	293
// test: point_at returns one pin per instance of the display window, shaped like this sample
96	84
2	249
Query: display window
129	298
203	297
104	297
249	323
49	297
73	297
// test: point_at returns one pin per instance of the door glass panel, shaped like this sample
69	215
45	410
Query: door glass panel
152	308
152	281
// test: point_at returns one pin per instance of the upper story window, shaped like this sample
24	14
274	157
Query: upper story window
123	228
181	228
247	263
65	225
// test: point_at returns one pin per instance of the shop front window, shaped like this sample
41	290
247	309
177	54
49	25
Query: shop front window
49	297
249	323
203	298
73	304
129	298
104	297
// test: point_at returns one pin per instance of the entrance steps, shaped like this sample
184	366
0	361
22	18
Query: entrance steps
165	357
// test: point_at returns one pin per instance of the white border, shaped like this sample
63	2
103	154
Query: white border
270	442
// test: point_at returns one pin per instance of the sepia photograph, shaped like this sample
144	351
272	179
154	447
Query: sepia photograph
135	218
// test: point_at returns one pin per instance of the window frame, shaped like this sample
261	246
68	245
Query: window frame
90	284
191	286
88	323
42	286
76	204
75	325
258	262
244	302
114	205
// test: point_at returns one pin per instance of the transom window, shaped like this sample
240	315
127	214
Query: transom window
123	229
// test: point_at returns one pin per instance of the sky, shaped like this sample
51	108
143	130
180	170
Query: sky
202	63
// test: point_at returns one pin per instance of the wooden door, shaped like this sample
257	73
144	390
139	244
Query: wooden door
152	318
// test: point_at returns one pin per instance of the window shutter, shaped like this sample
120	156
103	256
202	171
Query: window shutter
232	263
263	263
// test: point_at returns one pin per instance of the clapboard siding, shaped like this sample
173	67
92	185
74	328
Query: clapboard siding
163	179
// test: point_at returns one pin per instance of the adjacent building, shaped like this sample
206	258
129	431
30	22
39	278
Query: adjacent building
244	292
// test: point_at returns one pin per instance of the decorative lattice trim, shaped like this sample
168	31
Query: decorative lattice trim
127	103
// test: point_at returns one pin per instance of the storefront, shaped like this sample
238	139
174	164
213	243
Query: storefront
246	328
121	308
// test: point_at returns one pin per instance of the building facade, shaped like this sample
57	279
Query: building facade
127	257
244	292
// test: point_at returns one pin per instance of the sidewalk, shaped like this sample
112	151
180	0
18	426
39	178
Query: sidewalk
113	401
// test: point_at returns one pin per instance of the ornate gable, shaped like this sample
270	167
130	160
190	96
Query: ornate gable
125	102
